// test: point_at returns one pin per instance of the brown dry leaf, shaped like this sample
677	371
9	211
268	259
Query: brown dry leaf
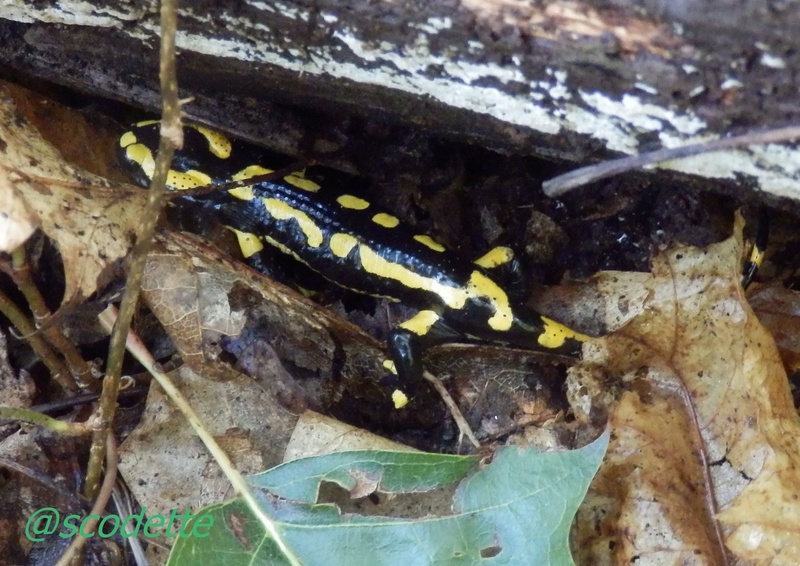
778	308
191	304
317	434
17	223
165	464
201	295
704	463
91	220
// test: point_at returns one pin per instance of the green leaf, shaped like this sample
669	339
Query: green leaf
516	510
392	472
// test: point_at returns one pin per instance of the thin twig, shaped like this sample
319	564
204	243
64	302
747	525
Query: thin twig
61	427
230	185
562	184
139	351
88	526
171	137
20	273
458	416
26	328
46	481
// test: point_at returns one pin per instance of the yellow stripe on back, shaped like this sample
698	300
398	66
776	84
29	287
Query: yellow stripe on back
282	211
143	156
482	286
371	262
399	399
342	244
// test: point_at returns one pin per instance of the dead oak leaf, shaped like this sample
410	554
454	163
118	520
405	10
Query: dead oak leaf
91	220
778	308
698	349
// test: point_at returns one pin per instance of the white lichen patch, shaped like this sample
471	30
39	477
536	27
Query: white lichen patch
475	47
71	12
730	83
619	122
461	84
263	6
434	25
772	61
644	87
291	12
775	167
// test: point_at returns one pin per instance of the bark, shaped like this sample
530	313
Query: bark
571	81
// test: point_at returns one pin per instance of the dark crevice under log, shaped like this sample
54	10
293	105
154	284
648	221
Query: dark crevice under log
574	82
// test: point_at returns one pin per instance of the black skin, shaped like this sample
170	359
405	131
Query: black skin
396	245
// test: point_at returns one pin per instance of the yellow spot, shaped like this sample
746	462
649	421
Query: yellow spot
349	201
399	399
495	257
421	323
144	123
187	180
282	211
306	292
141	154
371	262
218	144
430	242
243	193
388	365
555	334
246	193
482	286
250	171
128	138
298	180
385	220
756	256
249	243
342	244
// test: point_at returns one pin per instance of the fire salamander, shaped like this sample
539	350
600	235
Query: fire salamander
348	240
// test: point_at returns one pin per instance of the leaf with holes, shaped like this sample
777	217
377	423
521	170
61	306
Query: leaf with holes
517	509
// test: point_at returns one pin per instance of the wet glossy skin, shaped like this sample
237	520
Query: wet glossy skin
341	235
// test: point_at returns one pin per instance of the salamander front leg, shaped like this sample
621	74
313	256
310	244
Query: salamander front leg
407	343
